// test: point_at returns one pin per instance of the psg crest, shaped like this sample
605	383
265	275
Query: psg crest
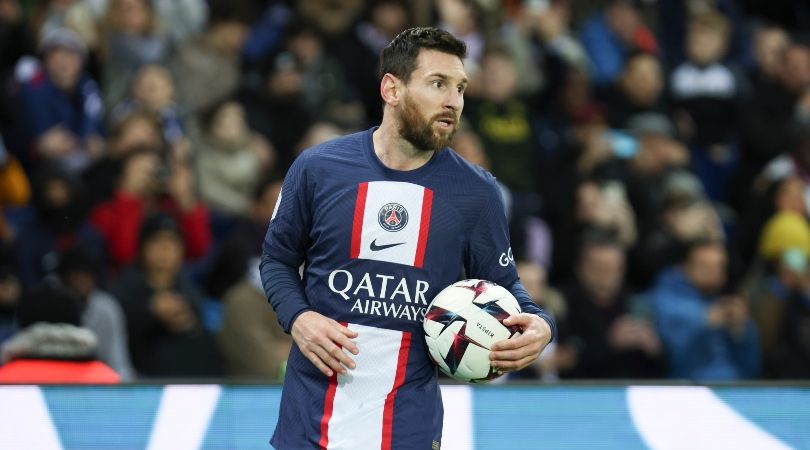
392	217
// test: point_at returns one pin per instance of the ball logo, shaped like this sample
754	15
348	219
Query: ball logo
392	217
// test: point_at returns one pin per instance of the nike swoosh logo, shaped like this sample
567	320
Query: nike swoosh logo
375	248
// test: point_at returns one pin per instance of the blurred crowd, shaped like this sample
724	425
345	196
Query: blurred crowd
654	159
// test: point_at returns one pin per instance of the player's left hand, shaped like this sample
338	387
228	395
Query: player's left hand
511	355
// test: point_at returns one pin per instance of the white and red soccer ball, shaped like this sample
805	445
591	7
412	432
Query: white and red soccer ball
461	324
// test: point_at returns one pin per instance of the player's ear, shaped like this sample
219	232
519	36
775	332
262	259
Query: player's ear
390	89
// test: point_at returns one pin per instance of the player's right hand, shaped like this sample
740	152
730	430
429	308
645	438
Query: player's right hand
322	341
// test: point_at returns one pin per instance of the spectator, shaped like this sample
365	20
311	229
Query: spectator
137	131
235	257
599	206
231	158
49	15
782	195
604	205
795	162
673	23
778	292
545	28
166	336
147	185
187	17
464	20
253	343
326	92
59	220
276	108
331	18
533	278
132	38
776	105
767	113
707	95
14	192
642	159
10	291
605	328
385	19
770	43
14	187
502	118
684	215
101	313
51	346
61	104
207	66
612	34
638	89
706	336
153	92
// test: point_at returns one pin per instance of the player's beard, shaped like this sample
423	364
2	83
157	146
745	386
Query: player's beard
420	131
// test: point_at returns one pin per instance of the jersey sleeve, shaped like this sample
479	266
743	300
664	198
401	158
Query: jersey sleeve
489	254
285	244
288	232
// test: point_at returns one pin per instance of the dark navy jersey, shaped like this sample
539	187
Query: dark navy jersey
376	246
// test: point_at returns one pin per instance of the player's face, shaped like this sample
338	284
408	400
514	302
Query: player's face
432	102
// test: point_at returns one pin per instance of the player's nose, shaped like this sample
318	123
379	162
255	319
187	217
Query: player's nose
454	101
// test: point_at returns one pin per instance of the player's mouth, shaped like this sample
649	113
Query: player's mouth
446	123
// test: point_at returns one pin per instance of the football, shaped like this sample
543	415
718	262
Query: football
461	324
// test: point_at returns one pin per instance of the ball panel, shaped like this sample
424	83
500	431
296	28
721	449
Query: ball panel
438	360
486	329
474	364
452	298
437	319
502	297
462	323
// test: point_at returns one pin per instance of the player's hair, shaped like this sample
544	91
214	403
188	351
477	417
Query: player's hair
399	57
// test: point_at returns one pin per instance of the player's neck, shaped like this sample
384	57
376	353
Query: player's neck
395	152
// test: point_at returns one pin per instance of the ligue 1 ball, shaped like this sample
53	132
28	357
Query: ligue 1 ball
461	324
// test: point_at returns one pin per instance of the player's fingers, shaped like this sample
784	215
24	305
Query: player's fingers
338	353
532	348
329	360
343	341
522	320
511	366
316	360
511	344
345	330
506	355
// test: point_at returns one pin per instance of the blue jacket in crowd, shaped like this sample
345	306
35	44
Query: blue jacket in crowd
694	349
46	106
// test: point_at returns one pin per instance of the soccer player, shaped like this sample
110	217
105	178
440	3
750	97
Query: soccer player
382	220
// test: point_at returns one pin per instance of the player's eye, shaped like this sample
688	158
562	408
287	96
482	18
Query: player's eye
461	88
438	83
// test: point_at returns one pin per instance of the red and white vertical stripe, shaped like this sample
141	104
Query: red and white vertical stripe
411	240
359	406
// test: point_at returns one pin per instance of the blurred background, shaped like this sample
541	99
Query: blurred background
654	157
